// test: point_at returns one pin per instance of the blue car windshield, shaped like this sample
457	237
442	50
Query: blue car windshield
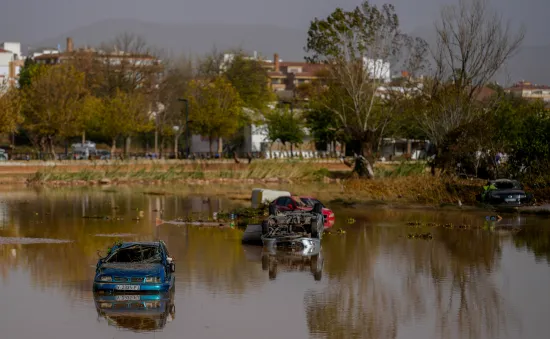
136	254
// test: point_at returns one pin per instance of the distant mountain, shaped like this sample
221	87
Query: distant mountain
194	39
197	39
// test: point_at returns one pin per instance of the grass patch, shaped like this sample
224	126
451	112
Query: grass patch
422	189
308	171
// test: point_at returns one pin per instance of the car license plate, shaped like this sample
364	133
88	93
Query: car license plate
127	287
511	200
127	297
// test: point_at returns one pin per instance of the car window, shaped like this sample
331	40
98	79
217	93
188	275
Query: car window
299	202
503	185
136	254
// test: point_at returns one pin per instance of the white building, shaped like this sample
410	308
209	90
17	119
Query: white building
45	51
378	69
11	62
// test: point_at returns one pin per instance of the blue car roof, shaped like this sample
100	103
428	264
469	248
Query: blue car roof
134	243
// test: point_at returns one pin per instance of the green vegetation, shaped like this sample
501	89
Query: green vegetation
257	170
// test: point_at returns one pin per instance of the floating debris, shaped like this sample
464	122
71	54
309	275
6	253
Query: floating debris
423	236
103	217
414	223
26	241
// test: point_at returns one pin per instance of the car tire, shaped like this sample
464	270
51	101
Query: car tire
317	208
317	227
265	227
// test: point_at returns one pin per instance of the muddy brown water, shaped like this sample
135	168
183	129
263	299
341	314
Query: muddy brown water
483	282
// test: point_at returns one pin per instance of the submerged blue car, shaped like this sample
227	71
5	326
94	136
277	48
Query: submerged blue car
135	267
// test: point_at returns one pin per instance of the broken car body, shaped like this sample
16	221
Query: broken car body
135	267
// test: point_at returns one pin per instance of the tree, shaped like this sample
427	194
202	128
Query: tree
215	108
251	82
285	126
323	124
122	115
357	47
54	105
174	84
29	71
11	103
473	43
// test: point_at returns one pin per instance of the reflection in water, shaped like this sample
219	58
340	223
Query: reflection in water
369	282
137	312
274	261
450	276
536	239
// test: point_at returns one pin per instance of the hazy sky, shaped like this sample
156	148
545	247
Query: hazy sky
35	20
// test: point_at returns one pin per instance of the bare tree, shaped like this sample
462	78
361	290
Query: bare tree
172	87
473	44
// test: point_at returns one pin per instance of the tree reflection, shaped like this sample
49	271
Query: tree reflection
379	280
535	239
202	255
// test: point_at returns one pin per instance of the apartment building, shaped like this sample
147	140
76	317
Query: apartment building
528	90
114	57
11	62
286	76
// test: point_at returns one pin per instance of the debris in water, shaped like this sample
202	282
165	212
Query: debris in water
26	241
424	236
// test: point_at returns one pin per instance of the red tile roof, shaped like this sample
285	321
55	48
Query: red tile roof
4	51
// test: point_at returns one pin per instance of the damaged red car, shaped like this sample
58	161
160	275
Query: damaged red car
304	203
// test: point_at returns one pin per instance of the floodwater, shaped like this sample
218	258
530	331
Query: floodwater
375	281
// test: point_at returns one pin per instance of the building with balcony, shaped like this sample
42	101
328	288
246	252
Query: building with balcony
528	90
286	76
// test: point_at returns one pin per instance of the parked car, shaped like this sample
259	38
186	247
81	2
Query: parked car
135	267
505	192
3	155
304	203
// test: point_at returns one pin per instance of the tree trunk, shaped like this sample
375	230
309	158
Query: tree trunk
210	140
363	165
156	142
51	146
127	145
113	148
291	151
220	147
83	138
176	139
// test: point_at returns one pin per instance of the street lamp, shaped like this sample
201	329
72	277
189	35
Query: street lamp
186	124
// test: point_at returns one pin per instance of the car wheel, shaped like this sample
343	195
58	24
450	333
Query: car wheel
317	208
265	227
317	227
